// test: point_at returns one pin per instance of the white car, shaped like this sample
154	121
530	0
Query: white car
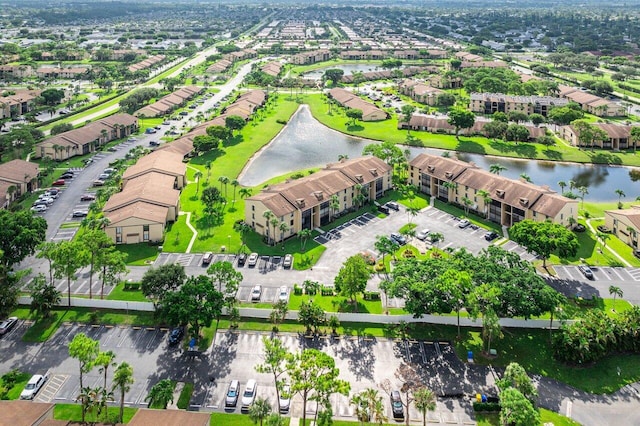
422	235
283	294
249	394
253	259
256	292
33	386
40	208
285	398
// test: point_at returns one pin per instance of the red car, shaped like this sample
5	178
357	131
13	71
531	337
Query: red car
88	197
59	182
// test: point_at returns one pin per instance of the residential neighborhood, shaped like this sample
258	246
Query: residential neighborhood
291	213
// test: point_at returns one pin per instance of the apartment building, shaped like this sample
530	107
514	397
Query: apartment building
488	103
618	136
499	199
168	103
347	99
17	177
420	92
308	203
591	103
625	224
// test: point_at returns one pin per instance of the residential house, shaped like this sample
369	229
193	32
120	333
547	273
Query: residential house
438	124
146	63
315	200
11	72
152	188
420	92
347	99
272	68
500	199
219	67
483	64
306	58
625	224
591	103
467	57
55	72
488	103
618	136
18	103
169	102
161	161
88	138
17	177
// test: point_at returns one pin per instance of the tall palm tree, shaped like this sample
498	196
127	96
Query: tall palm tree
526	177
208	167
274	222
104	397
259	410
572	185
223	181
361	407
122	380
620	194
103	361
466	203
583	191
334	206
88	398
615	291
497	168
425	400
198	176
283	227
412	212
450	186
268	215
562	184
235	185
486	199
304	235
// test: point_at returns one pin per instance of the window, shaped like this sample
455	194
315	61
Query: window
253	208
145	232
118	230
291	223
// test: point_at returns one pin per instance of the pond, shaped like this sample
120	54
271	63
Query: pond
347	68
306	143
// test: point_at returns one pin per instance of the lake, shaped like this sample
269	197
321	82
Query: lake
347	68
305	143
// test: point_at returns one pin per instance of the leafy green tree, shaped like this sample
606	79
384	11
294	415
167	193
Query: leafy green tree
352	278
259	410
20	234
52	96
103	361
111	263
407	112
314	372
311	315
279	313
545	238
275	362
95	242
454	286
490	328
44	296
516	377
445	99
161	394
234	122
226	279
517	132
157	282
564	115
85	350
354	115
461	118
69	257
425	400
385	245
205	143
304	235
495	129
635	137
537	119
516	410
61	128
333	74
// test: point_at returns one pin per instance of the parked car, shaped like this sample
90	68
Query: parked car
154	143
207	258
39	202
98	182
491	235
256	292
131	139
285	398
398	238
463	223
166	123
232	394
422	235
603	228
283	293
79	213
242	259
109	171
7	325
176	335
39	208
66	175
288	261
47	200
253	259
396	405
183	113
249	394
579	228
59	182
393	205
383	209
636	253
104	176
52	193
586	271
87	197
33	386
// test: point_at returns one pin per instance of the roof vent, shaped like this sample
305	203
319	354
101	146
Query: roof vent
300	202
449	175
431	168
524	201
500	193
374	172
359	178
318	194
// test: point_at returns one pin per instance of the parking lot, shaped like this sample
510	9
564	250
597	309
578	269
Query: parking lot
364	362
600	273
264	265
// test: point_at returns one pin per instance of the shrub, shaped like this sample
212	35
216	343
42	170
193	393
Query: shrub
486	406
326	291
297	290
281	121
9	379
408	254
368	258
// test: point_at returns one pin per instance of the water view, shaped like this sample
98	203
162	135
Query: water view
347	68
306	143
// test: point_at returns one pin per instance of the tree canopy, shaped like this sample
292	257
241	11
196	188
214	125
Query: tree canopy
545	238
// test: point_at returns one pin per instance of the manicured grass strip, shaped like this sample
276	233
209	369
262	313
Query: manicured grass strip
73	413
337	304
119	293
180	236
546	416
227	419
42	329
185	396
139	254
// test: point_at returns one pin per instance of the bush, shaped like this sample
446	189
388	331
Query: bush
326	291
487	407
9	379
281	121
297	290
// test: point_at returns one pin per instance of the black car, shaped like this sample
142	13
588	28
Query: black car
393	205
66	175
490	236
176	335
242	259
398	238
154	143
396	405
383	209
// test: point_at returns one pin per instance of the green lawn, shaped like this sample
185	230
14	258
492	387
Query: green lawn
180	236
185	396
73	413
139	254
337	304
14	392
119	293
226	419
546	417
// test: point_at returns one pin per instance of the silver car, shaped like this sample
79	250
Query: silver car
253	259
232	394
33	386
249	394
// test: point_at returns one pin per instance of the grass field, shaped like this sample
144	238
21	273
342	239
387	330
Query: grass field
73	413
546	417
337	304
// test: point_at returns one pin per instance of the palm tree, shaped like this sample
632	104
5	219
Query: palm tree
412	212
583	191
235	185
562	184
103	361
104	397
161	394
361	407
342	157
334	205
525	177
304	235
242	228
259	410
486	199
572	185
268	215
283	227
198	176
615	291
208	167
425	400
466	203
274	222
450	186
223	181
88	398
497	169
245	192
620	194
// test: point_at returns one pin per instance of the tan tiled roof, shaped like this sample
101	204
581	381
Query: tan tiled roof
182	146
140	210
148	417
153	188
551	204
440	167
18	171
23	412
632	214
160	161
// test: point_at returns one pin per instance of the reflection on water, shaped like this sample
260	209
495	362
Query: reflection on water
305	143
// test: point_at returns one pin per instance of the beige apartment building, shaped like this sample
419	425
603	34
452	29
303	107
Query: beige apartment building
489	103
625	224
499	199
618	136
307	203
347	99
